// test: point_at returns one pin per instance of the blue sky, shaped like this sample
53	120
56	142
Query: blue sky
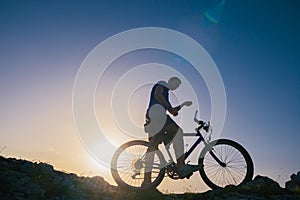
254	44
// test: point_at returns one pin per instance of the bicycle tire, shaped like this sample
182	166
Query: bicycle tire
239	165
121	179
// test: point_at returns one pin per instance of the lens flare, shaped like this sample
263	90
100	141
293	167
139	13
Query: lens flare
213	13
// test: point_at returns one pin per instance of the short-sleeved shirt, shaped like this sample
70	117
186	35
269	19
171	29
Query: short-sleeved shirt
160	136
153	100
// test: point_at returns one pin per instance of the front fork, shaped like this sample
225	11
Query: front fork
211	152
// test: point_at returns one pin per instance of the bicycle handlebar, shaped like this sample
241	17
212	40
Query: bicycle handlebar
202	124
195	117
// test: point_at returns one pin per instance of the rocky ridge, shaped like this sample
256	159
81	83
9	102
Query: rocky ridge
21	179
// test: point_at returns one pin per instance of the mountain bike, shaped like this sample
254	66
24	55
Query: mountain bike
225	162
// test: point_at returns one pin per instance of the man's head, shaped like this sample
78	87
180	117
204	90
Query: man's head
174	83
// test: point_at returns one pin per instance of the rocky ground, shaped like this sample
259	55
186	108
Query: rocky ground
21	179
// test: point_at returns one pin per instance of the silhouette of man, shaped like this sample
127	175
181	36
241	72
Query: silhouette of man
162	128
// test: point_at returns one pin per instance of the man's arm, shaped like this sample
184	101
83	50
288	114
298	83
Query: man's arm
158	94
177	108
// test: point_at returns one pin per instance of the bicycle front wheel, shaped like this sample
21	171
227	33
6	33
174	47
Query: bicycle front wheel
128	166
234	165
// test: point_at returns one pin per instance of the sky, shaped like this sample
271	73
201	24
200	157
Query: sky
254	45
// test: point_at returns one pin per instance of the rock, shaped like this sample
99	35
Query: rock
262	185
19	185
294	184
21	179
45	169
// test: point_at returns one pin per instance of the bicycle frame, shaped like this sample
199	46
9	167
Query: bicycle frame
193	147
196	143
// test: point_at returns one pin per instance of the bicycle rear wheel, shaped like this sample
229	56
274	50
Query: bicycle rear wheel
128	166
236	165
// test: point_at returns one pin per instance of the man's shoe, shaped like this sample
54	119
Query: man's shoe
145	187
145	183
187	170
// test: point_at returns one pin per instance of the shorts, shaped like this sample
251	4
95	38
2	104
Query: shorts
166	135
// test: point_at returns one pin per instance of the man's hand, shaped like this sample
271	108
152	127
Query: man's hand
174	111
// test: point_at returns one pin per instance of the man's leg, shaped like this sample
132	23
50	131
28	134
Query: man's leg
149	158
176	133
178	145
